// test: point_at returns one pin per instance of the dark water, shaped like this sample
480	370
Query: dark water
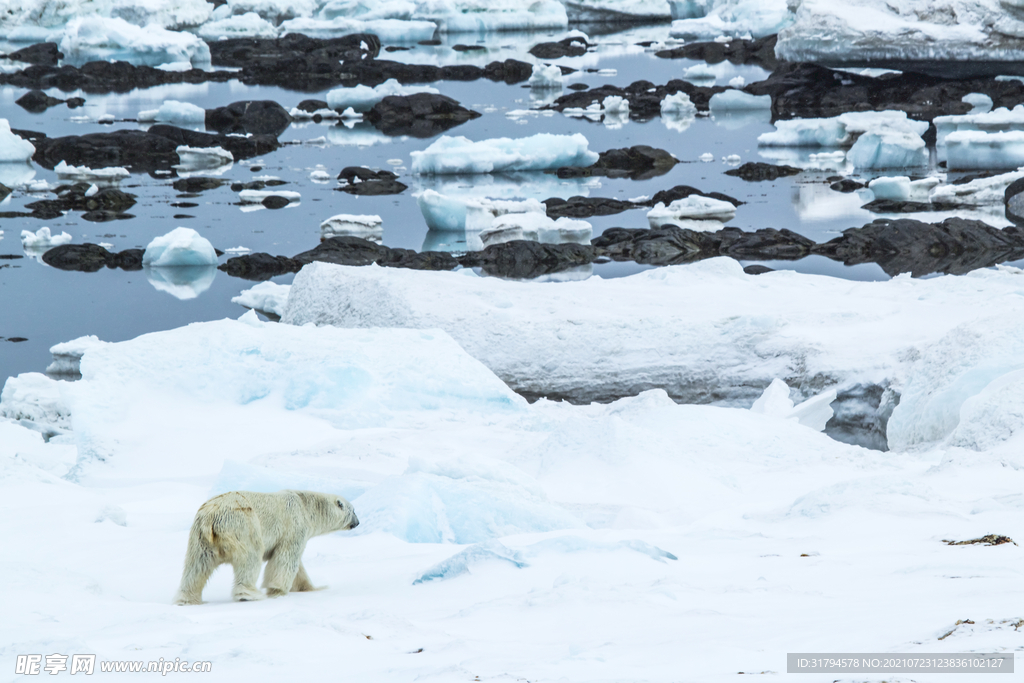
48	306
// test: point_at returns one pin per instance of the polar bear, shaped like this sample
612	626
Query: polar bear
245	529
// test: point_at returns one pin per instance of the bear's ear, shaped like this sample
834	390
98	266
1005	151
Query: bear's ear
340	504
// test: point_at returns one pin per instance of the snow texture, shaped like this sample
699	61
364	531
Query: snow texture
268	297
977	192
179	247
13	149
34	400
538	152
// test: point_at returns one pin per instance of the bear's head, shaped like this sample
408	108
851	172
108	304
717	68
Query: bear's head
329	512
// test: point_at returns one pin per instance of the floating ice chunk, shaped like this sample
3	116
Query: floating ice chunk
202	158
815	412
457	214
112	174
549	76
257	196
694	207
33	400
180	247
361	98
268	297
806	133
537	227
888	149
679	104
303	115
459	563
701	73
172	111
737	82
998	120
247	25
13	149
92	38
367	227
181	282
902	189
41	240
978	192
489	16
977	150
388	30
981	102
759	18
535	153
460	501
707	157
319	176
68	355
732	100
613	104
174	66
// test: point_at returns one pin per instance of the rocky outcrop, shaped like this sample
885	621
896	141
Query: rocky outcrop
757	171
89	258
760	52
421	115
258	117
360	180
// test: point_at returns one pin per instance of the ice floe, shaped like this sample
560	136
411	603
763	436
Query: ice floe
537	227
92	38
172	111
695	19
109	175
361	98
448	155
692	208
179	247
968	150
366	226
268	297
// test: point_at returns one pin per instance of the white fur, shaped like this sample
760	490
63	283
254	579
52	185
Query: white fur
245	529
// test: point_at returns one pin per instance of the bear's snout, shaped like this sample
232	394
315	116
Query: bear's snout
355	523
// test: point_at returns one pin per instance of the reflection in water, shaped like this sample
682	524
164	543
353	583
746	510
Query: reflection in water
677	121
741	118
182	282
818	202
808	158
16	174
452	241
574	274
522	185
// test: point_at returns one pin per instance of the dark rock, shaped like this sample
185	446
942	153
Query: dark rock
421	115
4	192
524	260
73	198
847	185
397	48
90	258
585	207
756	171
345	251
275	202
801	90
252	116
74	102
955	246
44	54
269	53
184	205
672	245
896	206
755	269
432	42
351	174
106	77
259	266
255	169
578	86
312	105
363	181
36	101
670	195
425	260
103	215
15	340
638	162
1013	198
760	52
196	184
567	47
468	48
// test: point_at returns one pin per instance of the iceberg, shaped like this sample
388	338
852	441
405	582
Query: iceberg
903	189
367	227
806	133
862	31
692	208
539	152
546	76
191	159
13	149
446	213
710	20
361	98
92	38
978	150
179	247
33	400
733	100
537	227
678	104
67	356
268	297
172	111
41	240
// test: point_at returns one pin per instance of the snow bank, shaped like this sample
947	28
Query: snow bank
978	150
536	226
92	38
732	100
13	149
457	214
179	247
535	153
736	334
172	111
33	20
367	227
875	30
694	207
696	19
361	98
268	297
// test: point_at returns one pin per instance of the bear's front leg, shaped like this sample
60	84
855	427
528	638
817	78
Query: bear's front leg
302	582
282	569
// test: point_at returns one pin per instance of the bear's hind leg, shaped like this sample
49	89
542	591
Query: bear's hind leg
247	572
282	569
302	582
200	561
